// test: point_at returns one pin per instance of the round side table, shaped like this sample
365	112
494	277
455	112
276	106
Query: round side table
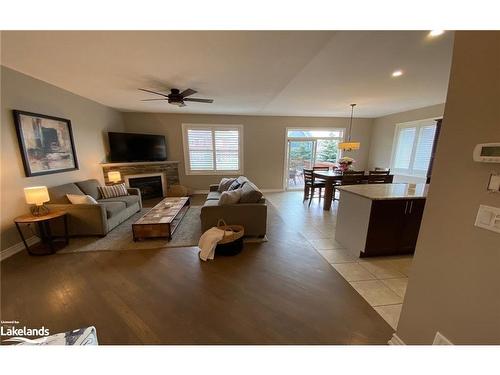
49	244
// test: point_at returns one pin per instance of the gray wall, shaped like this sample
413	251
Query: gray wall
264	141
383	135
454	286
89	119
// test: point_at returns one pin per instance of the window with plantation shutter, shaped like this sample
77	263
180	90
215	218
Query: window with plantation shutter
424	148
212	149
413	147
404	148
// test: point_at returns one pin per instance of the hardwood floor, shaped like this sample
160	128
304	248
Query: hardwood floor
278	292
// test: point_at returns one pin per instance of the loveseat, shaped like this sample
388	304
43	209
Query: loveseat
250	211
92	219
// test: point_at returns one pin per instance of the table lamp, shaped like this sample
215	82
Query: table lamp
37	196
114	177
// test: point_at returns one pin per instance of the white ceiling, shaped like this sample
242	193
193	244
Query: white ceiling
302	73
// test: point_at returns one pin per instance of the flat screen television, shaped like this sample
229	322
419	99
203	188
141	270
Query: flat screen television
129	147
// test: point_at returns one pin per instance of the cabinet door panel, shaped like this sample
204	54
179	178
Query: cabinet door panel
384	231
411	227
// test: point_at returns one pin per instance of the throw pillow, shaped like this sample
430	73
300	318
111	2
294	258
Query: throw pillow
242	180
235	185
81	199
113	191
250	193
230	197
225	183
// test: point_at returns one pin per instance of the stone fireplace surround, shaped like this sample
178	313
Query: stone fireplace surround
168	170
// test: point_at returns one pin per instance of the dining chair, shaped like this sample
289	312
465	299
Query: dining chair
380	172
311	184
352	177
348	178
326	169
378	177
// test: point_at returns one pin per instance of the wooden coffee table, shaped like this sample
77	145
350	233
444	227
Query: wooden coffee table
162	220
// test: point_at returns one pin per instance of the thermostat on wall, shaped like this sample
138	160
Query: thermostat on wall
487	153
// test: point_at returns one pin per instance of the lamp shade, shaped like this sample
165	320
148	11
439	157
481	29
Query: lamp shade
36	195
349	146
114	176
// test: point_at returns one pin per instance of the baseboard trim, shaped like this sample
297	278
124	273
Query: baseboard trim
5	253
396	340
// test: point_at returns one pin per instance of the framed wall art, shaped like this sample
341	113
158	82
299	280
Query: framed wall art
46	143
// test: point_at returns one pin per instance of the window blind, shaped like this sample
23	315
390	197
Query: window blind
424	148
212	149
404	148
227	150
414	143
200	145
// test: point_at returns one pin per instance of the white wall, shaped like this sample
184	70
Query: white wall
89	120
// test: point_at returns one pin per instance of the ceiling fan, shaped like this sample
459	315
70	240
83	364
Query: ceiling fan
178	98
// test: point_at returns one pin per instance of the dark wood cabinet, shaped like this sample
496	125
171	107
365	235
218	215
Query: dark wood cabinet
411	225
393	227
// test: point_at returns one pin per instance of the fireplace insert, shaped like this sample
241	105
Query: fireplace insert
150	187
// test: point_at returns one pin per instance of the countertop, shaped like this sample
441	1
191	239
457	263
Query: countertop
387	191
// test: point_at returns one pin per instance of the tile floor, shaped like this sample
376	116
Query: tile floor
380	281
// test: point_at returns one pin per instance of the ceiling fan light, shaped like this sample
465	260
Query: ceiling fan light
349	146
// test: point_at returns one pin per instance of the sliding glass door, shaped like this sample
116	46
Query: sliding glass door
308	148
300	156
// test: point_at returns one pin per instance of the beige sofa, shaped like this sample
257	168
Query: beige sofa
251	211
92	219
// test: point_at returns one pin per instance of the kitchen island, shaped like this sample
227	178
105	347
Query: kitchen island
380	219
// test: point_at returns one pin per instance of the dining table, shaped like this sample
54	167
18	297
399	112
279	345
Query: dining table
331	179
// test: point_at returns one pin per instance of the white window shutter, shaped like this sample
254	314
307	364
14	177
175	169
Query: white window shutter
227	150
424	149
212	149
413	150
200	145
404	148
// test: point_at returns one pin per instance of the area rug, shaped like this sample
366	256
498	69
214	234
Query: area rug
120	238
187	234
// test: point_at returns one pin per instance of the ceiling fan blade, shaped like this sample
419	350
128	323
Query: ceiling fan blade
188	92
199	100
154	92
147	100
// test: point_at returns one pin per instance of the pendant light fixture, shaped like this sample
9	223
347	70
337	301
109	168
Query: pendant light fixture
349	145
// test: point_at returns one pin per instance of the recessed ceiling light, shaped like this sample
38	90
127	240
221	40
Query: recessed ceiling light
397	73
435	33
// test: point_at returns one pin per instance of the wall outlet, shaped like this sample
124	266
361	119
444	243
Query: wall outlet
494	183
439	339
488	218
